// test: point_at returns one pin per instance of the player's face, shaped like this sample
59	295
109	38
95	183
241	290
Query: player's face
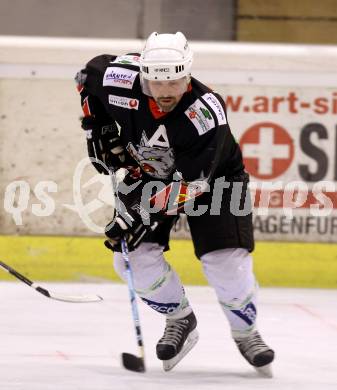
167	94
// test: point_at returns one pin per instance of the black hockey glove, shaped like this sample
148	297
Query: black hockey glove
119	228
131	219
104	145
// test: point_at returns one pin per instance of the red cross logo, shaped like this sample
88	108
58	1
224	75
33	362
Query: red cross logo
267	149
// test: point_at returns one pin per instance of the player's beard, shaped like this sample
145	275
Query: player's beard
168	103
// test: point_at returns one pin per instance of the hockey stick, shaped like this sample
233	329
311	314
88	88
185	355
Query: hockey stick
130	362
49	294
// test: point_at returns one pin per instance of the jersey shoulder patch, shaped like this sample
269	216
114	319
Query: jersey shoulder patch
203	111
117	75
127	59
216	106
200	116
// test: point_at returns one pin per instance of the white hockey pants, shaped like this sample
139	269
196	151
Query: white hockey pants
228	271
157	284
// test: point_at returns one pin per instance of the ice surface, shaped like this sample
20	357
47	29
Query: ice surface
50	345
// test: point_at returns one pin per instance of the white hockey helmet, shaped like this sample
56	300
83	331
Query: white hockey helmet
166	57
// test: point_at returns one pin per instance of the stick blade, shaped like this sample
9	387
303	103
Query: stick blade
132	362
76	298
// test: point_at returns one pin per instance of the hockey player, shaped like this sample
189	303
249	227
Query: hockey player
147	114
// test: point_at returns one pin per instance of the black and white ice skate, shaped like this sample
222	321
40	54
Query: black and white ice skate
257	353
180	336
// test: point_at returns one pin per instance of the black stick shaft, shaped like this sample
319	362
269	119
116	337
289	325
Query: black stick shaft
130	362
47	293
15	273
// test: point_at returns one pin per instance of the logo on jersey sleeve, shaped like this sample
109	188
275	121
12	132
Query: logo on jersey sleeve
124	102
119	77
200	116
216	106
126	60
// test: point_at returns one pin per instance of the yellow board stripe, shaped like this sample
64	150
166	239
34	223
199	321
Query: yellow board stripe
86	259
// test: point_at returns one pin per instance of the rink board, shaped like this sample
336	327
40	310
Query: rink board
282	109
87	259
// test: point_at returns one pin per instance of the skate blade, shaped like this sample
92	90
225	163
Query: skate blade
190	342
265	371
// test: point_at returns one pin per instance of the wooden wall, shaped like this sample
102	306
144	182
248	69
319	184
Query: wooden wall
296	21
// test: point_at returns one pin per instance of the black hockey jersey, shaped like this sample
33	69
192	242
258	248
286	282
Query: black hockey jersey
194	139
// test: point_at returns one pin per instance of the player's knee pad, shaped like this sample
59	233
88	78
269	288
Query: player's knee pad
155	281
147	264
230	272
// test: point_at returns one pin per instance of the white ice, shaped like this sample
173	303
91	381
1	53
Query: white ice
50	345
